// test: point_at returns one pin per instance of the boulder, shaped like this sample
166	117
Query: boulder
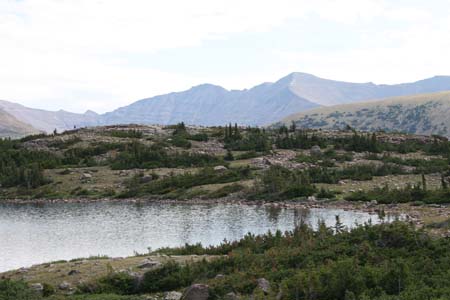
73	272
372	203
86	176
264	285
312	199
38	287
148	263
315	150
220	168
231	296
64	286
146	178
173	296
196	292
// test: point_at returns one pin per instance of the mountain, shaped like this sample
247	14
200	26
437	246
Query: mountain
263	104
213	105
48	121
209	104
11	127
419	114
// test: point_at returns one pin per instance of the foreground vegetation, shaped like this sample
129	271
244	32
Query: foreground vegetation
383	262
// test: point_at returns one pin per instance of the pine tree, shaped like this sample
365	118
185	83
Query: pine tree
229	156
424	183
444	182
339	227
293	126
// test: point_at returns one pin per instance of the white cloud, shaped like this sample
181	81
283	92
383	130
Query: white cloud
69	53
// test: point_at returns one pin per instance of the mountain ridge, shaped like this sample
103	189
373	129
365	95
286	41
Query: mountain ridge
209	104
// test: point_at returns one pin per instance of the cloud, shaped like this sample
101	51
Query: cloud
74	54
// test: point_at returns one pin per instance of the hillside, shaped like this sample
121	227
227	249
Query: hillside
48	121
179	162
419	114
11	127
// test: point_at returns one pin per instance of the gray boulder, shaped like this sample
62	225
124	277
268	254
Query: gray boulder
173	296
220	168
86	176
64	286
196	292
264	285
315	150
146	178
148	263
231	296
38	287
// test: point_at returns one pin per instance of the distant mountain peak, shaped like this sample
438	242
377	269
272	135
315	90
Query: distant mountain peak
91	113
207	86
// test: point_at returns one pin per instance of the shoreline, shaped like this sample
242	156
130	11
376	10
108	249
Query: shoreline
413	214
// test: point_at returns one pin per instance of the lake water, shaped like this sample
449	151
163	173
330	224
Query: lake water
32	234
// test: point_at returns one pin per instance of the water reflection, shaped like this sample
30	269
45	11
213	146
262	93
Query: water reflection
31	234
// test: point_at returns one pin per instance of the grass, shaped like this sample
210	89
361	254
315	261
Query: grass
90	269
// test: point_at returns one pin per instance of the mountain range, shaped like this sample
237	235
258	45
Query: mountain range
209	104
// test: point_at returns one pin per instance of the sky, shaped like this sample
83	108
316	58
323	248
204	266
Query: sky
102	54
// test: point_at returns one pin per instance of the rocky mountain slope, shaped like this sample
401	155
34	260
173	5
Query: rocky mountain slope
11	127
419	114
213	105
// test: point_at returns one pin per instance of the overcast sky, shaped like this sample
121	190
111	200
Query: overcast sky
102	54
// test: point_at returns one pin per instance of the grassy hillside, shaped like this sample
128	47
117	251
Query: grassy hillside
11	127
419	114
178	162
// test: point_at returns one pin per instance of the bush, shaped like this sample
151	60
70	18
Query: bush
48	290
133	134
380	262
16	290
137	155
170	276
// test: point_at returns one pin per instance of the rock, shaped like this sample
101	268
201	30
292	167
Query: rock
231	296
196	292
86	176
173	296
372	203
64	286
312	199
264	285
146	178
73	272
38	287
279	295
22	270
148	263
220	168
315	151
